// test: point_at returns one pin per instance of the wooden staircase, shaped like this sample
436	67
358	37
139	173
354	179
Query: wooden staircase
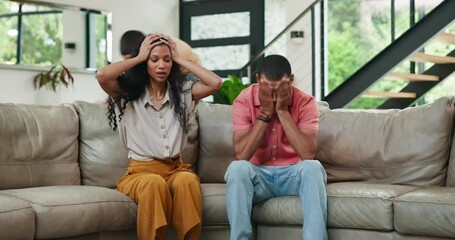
443	37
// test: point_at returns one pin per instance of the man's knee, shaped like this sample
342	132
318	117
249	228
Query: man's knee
238	170
312	169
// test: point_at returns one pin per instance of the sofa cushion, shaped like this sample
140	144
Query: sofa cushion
409	146
65	211
215	142
39	144
360	234
427	212
451	167
103	158
362	205
214	201
17	218
278	211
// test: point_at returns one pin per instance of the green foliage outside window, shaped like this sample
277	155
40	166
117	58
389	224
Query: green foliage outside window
229	90
42	39
41	42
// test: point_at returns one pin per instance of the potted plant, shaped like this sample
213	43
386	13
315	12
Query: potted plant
54	77
229	90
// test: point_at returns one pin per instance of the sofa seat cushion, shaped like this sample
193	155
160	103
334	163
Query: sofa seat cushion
428	212
65	211
278	211
214	201
17	218
362	205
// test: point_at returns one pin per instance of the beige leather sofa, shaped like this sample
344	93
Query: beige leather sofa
391	174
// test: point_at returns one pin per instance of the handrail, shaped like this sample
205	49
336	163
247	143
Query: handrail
290	25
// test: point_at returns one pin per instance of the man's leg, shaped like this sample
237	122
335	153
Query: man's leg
244	181
308	180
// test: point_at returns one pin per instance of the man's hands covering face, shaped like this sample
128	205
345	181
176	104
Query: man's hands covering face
275	95
266	99
283	94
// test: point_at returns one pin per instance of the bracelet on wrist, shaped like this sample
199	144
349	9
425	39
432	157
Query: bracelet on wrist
264	119
266	115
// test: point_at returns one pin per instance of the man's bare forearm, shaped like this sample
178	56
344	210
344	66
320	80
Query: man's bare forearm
303	145
246	145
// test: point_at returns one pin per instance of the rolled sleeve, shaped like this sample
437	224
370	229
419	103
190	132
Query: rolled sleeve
241	114
308	114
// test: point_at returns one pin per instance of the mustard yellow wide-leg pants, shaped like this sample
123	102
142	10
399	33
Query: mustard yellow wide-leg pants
165	192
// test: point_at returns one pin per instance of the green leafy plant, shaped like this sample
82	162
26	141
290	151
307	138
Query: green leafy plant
229	90
54	77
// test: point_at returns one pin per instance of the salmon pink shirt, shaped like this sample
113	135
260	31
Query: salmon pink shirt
275	149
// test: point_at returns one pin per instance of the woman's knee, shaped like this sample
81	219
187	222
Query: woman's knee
184	179
149	181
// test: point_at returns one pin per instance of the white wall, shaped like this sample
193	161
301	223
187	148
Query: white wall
16	83
299	53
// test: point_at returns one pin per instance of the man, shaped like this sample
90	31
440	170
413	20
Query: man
129	40
275	129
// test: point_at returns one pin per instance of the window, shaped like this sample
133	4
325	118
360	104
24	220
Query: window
45	34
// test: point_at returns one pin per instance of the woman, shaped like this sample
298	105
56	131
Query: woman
153	102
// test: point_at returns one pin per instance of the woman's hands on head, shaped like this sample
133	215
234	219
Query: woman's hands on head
146	46
153	40
171	44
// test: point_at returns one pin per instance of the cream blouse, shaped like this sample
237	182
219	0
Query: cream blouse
150	133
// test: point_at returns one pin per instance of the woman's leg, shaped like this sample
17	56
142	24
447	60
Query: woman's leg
187	204
154	201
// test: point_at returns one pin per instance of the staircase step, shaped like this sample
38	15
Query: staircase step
373	94
413	77
424	57
445	37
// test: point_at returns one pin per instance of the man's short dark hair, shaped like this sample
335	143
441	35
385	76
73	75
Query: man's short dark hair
129	40
274	67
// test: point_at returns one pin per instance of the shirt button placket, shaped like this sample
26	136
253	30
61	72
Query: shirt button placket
164	135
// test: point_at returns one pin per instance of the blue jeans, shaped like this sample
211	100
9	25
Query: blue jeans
248	183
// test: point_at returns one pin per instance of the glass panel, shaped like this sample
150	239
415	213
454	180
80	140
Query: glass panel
358	30
37	8
220	26
42	39
42	35
225	57
8	29
275	22
101	41
8	7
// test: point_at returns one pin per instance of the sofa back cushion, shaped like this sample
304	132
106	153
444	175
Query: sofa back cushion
103	157
215	142
38	146
409	146
451	167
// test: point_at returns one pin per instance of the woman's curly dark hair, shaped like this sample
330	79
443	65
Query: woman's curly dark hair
133	83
